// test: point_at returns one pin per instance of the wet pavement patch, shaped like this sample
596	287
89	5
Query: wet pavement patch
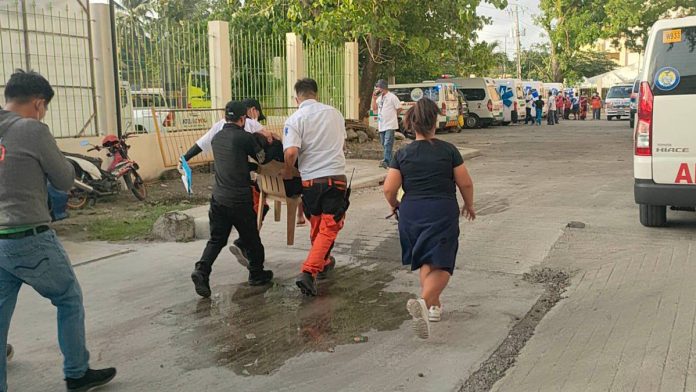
254	330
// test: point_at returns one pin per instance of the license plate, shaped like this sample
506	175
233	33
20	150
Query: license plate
671	36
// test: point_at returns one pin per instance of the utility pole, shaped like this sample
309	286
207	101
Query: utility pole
505	59
517	41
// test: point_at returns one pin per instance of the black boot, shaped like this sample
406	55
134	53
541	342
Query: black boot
327	269
200	278
307	284
260	278
91	379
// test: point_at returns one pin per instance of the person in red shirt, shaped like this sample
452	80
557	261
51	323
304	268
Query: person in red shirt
560	104
596	104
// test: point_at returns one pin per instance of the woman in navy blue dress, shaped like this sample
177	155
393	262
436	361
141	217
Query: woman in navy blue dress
430	171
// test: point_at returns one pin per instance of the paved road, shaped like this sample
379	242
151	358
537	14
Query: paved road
531	181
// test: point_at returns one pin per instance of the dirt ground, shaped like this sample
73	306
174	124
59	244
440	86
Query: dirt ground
124	218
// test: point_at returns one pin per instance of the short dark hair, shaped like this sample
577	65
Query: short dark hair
24	86
306	87
422	117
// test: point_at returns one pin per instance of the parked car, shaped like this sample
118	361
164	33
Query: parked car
519	104
665	142
618	101
443	93
144	101
634	103
485	105
555	88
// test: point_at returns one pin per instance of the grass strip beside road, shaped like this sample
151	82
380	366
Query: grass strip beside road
131	225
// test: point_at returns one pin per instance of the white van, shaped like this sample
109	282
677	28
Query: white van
519	104
444	94
618	101
143	103
533	85
485	105
665	142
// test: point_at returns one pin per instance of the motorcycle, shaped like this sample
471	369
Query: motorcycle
92	182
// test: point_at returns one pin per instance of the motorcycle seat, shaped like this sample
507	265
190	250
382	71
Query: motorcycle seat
96	161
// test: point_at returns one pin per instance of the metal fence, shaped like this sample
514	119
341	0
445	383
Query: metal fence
325	63
259	68
54	39
174	143
164	66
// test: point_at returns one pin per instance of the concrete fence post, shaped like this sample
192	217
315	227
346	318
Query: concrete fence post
103	58
220	63
352	87
295	66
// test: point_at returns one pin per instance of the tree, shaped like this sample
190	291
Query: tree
536	64
632	19
419	36
571	25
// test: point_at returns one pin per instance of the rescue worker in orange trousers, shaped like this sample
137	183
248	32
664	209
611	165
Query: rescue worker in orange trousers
315	135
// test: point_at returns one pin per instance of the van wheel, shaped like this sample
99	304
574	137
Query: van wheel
609	118
653	216
472	121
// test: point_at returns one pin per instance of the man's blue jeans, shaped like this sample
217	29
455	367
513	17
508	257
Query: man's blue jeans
41	262
387	140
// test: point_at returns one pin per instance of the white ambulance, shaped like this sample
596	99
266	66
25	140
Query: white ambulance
665	134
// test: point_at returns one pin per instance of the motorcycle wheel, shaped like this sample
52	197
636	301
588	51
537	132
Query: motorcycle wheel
136	185
77	199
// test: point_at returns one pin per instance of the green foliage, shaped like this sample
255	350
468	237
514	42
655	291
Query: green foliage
410	39
571	25
536	64
632	19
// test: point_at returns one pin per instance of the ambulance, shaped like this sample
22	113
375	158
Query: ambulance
444	94
665	136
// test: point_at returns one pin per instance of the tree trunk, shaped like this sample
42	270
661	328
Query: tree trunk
555	67
368	77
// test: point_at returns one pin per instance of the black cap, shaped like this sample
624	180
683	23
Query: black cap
253	103
234	110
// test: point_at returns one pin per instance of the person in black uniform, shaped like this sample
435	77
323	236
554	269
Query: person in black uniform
231	204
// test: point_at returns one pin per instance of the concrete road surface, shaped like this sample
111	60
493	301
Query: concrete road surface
628	309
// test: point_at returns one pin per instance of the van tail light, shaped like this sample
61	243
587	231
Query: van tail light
189	106
169	121
490	105
515	107
645	121
444	109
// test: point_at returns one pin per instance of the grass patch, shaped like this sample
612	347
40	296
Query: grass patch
130	225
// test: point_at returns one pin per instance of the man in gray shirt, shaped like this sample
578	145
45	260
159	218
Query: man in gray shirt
30	252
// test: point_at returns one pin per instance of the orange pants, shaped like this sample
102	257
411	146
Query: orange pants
325	205
323	233
256	196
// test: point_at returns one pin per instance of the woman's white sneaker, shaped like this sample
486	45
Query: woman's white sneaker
419	311
435	314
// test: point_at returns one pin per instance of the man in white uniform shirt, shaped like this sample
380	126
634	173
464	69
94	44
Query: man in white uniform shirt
315	135
253	125
388	108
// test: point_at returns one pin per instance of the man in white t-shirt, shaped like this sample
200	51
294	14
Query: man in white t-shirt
253	125
388	108
315	135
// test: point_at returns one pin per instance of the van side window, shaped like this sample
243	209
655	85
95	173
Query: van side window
473	94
